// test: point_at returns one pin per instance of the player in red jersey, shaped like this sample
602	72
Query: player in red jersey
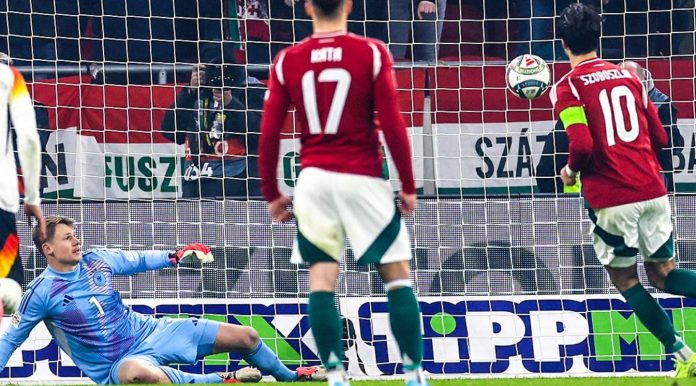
615	134
336	81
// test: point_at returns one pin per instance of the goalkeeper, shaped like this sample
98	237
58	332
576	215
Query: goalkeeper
110	342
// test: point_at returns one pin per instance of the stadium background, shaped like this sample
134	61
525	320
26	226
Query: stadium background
507	277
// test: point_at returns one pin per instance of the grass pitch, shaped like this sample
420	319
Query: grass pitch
566	381
585	381
576	381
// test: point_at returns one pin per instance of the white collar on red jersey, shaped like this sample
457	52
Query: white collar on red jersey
588	61
329	34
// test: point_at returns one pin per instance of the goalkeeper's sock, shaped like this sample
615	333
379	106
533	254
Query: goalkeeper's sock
653	316
267	361
681	282
405	320
327	328
180	377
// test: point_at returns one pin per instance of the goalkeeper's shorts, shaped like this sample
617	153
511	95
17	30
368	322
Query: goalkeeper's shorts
620	232
330	206
173	341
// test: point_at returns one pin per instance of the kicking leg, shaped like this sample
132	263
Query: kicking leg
657	247
648	311
405	319
667	277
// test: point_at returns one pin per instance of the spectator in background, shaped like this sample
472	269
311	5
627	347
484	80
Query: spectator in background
418	24
533	21
535	28
218	118
254	30
289	21
668	116
555	153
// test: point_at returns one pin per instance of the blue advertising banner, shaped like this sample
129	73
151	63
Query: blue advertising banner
463	336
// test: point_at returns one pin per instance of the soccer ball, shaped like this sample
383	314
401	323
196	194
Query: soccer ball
527	76
10	295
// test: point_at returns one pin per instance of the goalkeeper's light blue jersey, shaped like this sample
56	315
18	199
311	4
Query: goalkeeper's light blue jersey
83	311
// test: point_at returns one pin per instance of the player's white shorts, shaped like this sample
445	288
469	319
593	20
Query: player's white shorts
330	206
620	232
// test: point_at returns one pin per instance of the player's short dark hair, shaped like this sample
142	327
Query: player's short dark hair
51	224
579	26
327	8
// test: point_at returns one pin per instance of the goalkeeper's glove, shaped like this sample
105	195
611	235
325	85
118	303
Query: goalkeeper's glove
192	253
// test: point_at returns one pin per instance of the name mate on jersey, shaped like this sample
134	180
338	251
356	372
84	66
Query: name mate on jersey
604	75
327	54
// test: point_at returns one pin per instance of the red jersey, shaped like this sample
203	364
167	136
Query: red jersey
338	83
614	133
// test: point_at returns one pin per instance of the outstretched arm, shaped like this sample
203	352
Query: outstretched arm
132	262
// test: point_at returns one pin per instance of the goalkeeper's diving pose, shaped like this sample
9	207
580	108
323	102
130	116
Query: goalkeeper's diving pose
111	343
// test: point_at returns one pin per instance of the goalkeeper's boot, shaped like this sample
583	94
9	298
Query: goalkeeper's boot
685	369
313	373
243	375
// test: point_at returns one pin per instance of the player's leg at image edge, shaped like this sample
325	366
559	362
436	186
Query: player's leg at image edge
655	319
664	276
647	226
681	282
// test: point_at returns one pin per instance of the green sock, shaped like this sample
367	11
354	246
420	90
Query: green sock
681	282
326	327
405	320
653	316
